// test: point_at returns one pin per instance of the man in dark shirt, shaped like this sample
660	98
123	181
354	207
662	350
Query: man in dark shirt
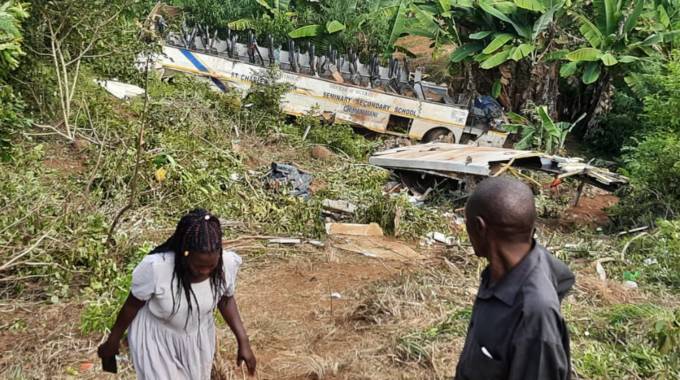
516	330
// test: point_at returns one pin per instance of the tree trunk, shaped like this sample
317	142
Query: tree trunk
598	103
542	87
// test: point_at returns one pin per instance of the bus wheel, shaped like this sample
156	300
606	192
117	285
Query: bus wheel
441	135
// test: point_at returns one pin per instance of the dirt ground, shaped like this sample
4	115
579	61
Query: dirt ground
298	330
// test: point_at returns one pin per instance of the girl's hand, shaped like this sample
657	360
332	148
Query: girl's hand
245	354
109	348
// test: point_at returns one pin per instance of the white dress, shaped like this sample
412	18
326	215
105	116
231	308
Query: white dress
162	347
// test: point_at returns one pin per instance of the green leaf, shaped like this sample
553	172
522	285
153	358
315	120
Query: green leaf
591	72
399	24
632	19
608	59
480	35
444	5
465	51
496	89
517	118
306	31
547	121
495	59
590	31
242	24
628	59
264	4
527	141
607	14
652	40
521	51
568	69
663	16
544	21
532	5
497	43
506	7
584	54
334	26
488	7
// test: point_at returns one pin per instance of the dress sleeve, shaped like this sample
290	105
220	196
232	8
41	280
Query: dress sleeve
144	279
232	263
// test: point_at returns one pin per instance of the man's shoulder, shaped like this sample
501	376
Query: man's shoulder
539	296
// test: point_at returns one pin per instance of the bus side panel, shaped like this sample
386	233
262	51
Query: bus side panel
420	127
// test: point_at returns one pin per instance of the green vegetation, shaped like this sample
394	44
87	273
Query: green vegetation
69	152
624	341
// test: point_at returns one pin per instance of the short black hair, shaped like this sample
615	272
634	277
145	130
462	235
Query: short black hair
505	204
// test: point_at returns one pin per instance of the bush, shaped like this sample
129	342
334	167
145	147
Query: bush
656	257
661	106
12	119
654	171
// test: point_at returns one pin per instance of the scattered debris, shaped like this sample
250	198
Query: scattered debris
316	243
339	206
650	261
377	247
441	238
120	90
599	268
282	175
469	164
285	241
86	366
372	229
630	284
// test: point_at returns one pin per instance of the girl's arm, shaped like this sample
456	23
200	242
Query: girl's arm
229	311
125	316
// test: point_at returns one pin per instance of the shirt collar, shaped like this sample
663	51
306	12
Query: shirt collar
506	290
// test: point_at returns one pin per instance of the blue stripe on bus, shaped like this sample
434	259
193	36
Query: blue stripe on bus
202	67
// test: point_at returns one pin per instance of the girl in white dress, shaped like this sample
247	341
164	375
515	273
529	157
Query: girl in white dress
169	310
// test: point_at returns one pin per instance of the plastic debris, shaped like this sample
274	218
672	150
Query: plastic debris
288	175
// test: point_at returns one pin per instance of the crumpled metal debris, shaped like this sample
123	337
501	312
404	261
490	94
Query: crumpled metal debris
283	175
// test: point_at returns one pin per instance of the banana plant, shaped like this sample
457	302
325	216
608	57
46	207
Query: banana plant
507	30
612	38
545	135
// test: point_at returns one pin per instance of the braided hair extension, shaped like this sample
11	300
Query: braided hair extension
197	232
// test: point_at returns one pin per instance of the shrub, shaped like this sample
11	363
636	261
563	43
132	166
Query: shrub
654	171
12	119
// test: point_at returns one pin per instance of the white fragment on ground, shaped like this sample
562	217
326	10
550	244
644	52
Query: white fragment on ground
630	284
316	243
441	238
119	89
336	296
650	261
285	241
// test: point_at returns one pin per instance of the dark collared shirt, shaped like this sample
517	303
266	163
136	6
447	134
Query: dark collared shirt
516	331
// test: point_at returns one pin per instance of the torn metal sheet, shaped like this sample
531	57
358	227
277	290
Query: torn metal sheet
449	158
120	90
462	161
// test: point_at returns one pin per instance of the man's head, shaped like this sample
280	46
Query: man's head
501	210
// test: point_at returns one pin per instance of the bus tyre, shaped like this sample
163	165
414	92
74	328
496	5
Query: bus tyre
441	135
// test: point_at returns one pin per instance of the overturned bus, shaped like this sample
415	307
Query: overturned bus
391	100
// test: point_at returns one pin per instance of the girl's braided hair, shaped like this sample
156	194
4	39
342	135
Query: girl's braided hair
198	232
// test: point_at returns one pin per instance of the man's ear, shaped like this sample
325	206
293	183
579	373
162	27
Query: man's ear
480	225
